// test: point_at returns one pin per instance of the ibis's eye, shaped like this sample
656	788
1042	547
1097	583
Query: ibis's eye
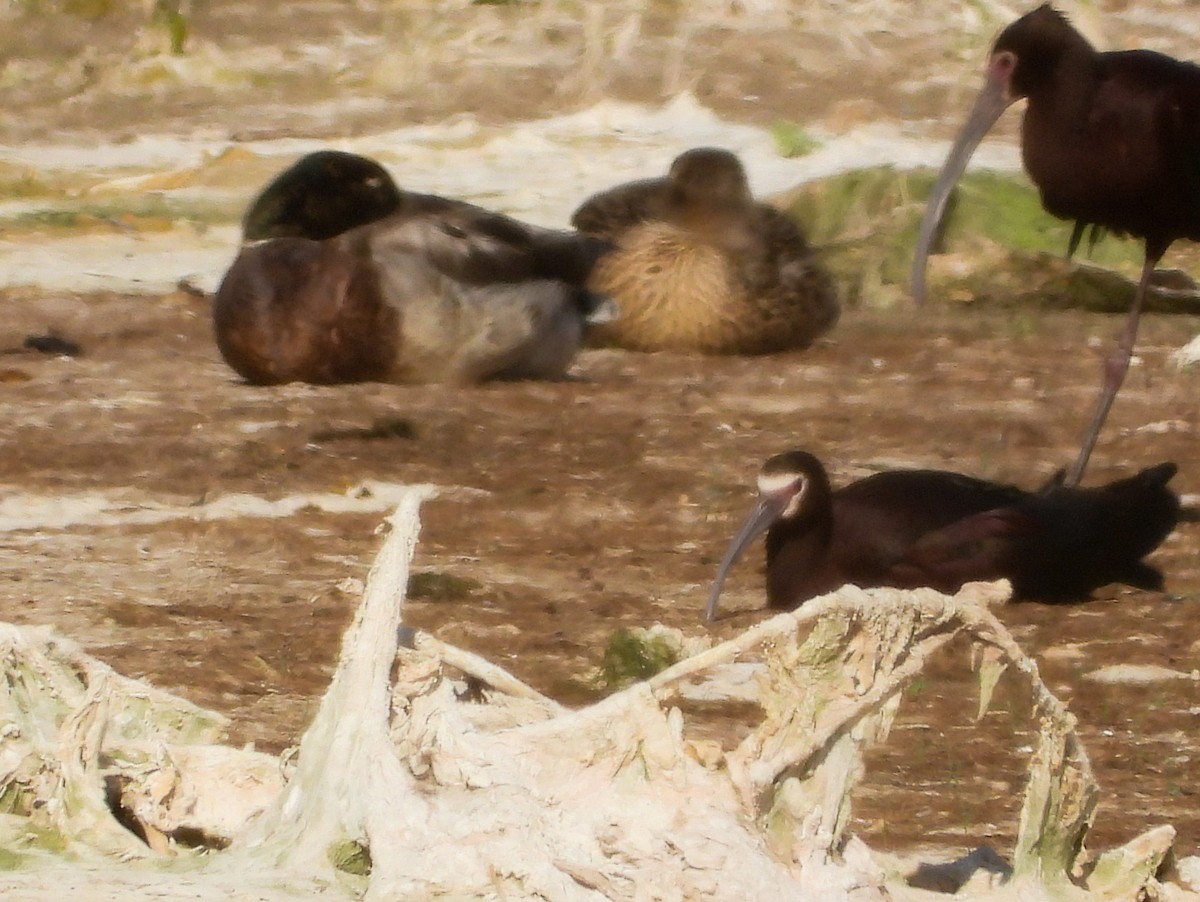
1003	63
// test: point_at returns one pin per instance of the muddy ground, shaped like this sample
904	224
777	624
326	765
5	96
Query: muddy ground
573	509
595	504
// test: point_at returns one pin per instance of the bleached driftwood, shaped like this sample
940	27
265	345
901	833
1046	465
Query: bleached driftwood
430	772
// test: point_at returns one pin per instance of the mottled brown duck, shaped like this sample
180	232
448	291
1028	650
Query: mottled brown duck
700	266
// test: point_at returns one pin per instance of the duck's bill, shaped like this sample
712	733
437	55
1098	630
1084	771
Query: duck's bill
764	514
991	102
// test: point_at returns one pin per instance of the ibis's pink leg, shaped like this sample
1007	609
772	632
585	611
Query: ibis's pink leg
1115	368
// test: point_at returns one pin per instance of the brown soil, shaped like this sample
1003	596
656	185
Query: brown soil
597	503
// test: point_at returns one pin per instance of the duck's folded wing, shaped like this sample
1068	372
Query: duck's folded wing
611	212
480	247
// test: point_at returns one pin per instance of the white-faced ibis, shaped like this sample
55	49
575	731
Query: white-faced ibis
700	266
1110	139
321	195
438	290
912	528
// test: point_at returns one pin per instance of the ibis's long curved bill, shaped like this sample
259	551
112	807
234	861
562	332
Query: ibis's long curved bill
765	513
993	100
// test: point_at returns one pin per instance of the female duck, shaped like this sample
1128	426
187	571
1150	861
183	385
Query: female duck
701	266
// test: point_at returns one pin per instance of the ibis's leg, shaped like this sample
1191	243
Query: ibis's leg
1115	368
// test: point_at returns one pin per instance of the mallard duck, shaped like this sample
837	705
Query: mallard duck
699	265
911	528
437	290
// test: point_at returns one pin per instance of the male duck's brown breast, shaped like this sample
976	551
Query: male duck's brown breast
297	310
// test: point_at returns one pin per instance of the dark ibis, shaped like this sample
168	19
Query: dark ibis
1111	140
701	266
321	195
438	290
913	528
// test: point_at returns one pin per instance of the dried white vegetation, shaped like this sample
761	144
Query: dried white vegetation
431	772
588	44
20	512
78	741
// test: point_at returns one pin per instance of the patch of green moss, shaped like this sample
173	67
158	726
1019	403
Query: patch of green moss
351	858
1024	281
41	838
174	22
631	656
89	10
857	203
792	140
436	586
1003	245
1003	208
865	224
139	214
17	185
57	219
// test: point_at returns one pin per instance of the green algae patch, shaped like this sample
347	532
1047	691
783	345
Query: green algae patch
438	586
147	214
632	656
793	140
87	10
24	840
21	182
1002	208
996	245
351	857
211	193
864	222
